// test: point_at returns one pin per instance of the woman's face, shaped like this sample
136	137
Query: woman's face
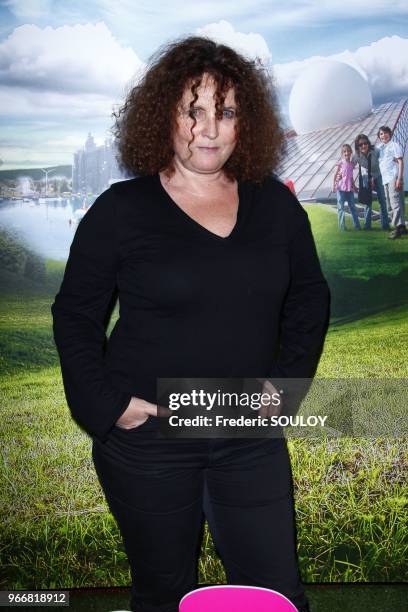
363	146
214	139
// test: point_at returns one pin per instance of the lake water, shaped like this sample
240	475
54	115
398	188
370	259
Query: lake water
43	227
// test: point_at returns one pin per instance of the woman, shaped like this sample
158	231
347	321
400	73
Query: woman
217	276
367	158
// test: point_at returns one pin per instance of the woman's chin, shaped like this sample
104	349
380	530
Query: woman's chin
205	166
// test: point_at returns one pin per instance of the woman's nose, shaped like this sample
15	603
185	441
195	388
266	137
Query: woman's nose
210	126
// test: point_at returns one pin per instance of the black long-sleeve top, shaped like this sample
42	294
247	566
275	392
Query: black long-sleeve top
192	304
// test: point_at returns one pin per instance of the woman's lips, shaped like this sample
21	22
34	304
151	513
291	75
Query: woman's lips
208	149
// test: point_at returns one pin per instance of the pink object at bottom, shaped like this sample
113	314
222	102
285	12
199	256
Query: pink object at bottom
233	598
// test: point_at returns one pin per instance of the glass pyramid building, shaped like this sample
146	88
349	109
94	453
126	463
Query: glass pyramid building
310	159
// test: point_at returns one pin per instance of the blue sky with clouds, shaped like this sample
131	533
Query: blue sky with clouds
64	64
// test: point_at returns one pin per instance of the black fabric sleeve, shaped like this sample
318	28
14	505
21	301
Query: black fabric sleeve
305	313
79	316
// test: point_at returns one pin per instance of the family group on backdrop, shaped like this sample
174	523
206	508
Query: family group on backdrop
380	169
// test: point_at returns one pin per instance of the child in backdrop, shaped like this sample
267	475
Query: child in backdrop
343	184
392	171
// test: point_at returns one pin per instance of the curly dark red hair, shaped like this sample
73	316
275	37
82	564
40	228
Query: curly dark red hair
144	124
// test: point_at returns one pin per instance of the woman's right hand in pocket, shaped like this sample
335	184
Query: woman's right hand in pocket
137	413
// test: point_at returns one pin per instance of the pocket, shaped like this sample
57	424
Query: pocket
129	430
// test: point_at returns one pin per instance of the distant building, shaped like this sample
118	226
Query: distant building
95	167
310	158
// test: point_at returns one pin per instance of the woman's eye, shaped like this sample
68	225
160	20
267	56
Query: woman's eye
196	113
228	113
199	114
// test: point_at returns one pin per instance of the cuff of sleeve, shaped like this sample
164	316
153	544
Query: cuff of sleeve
103	429
99	423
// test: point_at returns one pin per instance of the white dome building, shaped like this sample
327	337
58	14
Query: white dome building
326	94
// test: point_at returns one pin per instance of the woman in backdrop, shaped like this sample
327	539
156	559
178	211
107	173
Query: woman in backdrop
366	156
217	276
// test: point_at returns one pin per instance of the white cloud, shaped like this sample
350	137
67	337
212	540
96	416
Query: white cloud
55	79
52	105
251	45
386	66
383	64
69	59
57	85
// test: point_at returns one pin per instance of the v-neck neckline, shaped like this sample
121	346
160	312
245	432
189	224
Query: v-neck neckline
198	226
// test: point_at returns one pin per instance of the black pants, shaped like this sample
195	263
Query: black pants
155	487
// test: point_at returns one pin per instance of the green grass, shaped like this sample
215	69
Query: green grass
56	527
366	271
26	340
371	347
354	254
351	509
350	502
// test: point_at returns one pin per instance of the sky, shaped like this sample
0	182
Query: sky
64	66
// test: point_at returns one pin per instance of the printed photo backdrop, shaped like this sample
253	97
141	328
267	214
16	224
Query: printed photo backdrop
64	67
